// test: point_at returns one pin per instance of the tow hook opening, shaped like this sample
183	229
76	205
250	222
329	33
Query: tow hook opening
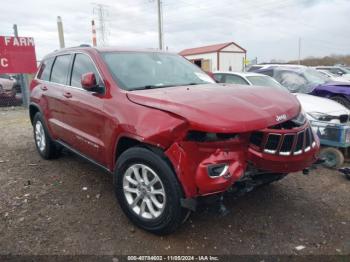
218	170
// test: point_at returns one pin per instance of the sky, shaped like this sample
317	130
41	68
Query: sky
268	29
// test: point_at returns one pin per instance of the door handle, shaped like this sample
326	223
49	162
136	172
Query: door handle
67	95
44	88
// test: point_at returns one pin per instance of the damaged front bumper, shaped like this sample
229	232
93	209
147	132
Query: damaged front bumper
205	168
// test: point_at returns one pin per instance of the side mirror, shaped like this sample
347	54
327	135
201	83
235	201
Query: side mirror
88	81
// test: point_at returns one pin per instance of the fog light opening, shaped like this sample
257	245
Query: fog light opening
218	170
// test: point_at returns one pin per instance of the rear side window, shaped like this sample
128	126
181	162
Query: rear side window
233	79
60	69
218	77
82	65
45	69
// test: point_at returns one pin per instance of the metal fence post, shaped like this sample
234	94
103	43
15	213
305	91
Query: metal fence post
24	89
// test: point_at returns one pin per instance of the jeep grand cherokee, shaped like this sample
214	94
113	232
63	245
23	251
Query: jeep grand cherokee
164	129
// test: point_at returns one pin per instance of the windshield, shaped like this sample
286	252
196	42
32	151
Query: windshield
299	80
144	70
263	81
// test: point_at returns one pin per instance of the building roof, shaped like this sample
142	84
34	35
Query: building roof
208	49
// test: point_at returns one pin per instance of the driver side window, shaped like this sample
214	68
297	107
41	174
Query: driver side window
82	65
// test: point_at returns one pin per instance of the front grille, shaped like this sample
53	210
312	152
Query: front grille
284	144
287	144
272	142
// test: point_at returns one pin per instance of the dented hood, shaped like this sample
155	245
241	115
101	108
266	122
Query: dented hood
221	108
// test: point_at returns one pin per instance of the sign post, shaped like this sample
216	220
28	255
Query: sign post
17	56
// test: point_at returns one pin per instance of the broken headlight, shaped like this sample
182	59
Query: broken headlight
325	117
198	136
300	119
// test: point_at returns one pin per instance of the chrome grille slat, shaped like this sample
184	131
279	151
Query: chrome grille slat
286	144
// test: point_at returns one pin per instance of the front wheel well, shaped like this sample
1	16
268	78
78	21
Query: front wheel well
32	112
125	143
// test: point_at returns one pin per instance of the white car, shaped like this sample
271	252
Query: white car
337	70
314	106
7	85
334	77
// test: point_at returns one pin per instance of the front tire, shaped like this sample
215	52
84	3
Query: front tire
148	191
47	148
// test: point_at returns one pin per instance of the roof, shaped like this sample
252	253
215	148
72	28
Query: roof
208	49
238	73
101	49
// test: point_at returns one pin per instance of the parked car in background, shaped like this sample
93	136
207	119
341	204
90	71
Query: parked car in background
302	79
337	70
334	77
329	119
165	130
8	86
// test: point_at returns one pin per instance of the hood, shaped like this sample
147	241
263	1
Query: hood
311	104
218	108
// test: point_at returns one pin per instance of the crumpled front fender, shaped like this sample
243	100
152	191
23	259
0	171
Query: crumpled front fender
191	161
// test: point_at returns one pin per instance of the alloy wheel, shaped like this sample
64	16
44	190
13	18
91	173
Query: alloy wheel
144	191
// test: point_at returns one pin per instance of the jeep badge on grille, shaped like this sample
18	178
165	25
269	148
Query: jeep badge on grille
281	117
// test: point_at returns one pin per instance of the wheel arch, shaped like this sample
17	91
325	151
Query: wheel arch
125	142
33	109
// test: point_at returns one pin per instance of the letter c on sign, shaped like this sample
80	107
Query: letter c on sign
4	62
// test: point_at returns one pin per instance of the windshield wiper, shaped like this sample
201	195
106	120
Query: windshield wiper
150	87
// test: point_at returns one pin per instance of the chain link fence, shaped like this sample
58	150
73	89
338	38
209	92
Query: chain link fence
14	90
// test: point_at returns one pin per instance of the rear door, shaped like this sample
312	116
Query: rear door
87	120
57	99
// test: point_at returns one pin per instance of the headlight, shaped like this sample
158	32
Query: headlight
300	119
324	117
199	136
316	115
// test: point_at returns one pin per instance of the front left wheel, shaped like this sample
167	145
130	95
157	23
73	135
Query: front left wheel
148	191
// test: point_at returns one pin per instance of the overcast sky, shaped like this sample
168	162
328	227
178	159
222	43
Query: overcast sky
268	29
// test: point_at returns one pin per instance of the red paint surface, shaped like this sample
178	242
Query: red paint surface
94	124
17	55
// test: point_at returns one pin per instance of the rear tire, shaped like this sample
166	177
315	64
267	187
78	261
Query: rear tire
46	147
153	207
341	100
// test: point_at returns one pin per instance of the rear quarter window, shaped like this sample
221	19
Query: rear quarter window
45	69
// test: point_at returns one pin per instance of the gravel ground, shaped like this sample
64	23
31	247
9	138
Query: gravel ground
67	206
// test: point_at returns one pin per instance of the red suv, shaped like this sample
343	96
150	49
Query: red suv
164	129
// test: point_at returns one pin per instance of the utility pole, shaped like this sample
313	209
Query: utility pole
299	44
60	31
94	41
15	30
102	13
160	23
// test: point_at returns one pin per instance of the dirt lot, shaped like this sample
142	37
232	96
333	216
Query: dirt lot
44	210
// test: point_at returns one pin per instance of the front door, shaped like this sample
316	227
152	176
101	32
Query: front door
86	116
